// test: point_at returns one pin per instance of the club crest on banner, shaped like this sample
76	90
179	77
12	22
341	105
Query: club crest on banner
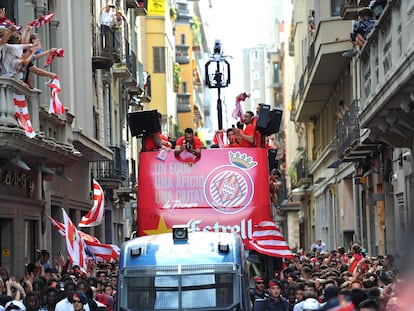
229	188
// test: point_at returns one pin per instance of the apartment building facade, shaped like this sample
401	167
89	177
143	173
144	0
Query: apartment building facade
350	107
101	78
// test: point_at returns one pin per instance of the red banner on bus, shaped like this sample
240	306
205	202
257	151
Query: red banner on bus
226	190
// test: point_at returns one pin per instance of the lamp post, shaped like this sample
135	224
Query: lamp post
217	74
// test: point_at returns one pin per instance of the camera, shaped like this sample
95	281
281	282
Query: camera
188	146
353	36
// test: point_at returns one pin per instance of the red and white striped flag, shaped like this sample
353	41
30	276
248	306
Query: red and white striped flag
4	21
75	244
104	251
56	105
55	53
218	139
97	213
94	246
39	22
22	115
58	226
238	111
267	239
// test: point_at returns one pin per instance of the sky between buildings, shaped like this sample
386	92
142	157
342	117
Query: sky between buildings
240	24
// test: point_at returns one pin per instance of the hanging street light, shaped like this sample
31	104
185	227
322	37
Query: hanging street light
217	75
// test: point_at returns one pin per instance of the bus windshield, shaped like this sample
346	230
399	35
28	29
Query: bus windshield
181	287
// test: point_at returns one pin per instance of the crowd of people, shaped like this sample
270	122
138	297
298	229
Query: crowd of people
336	280
59	286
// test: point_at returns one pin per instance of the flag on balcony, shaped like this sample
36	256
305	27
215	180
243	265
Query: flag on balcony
97	213
56	105
267	239
54	53
39	22
93	245
22	115
75	244
4	21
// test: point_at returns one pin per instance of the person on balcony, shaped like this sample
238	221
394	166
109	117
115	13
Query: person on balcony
28	66
116	26
362	27
11	53
117	21
106	19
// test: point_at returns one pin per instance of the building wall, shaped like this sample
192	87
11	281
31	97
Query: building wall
159	33
186	119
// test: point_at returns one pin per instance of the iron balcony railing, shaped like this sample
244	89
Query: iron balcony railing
117	169
348	130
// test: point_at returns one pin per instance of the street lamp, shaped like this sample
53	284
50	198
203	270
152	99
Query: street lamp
218	76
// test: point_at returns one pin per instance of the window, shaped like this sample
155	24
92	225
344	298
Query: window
159	59
184	87
183	38
336	7
31	238
255	55
276	73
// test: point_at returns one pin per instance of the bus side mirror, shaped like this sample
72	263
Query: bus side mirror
259	305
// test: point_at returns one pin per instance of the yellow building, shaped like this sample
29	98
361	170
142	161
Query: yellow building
160	58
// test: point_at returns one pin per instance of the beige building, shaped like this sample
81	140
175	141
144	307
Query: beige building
101	78
351	107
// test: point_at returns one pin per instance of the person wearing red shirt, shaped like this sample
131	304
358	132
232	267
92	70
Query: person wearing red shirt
231	137
189	143
356	257
247	136
155	141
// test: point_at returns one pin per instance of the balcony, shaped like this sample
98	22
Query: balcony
49	146
108	47
183	13
140	7
349	9
386	62
181	54
112	174
302	176
325	65
183	102
134	82
121	71
351	145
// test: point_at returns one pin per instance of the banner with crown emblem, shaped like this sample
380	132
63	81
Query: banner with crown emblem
227	190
